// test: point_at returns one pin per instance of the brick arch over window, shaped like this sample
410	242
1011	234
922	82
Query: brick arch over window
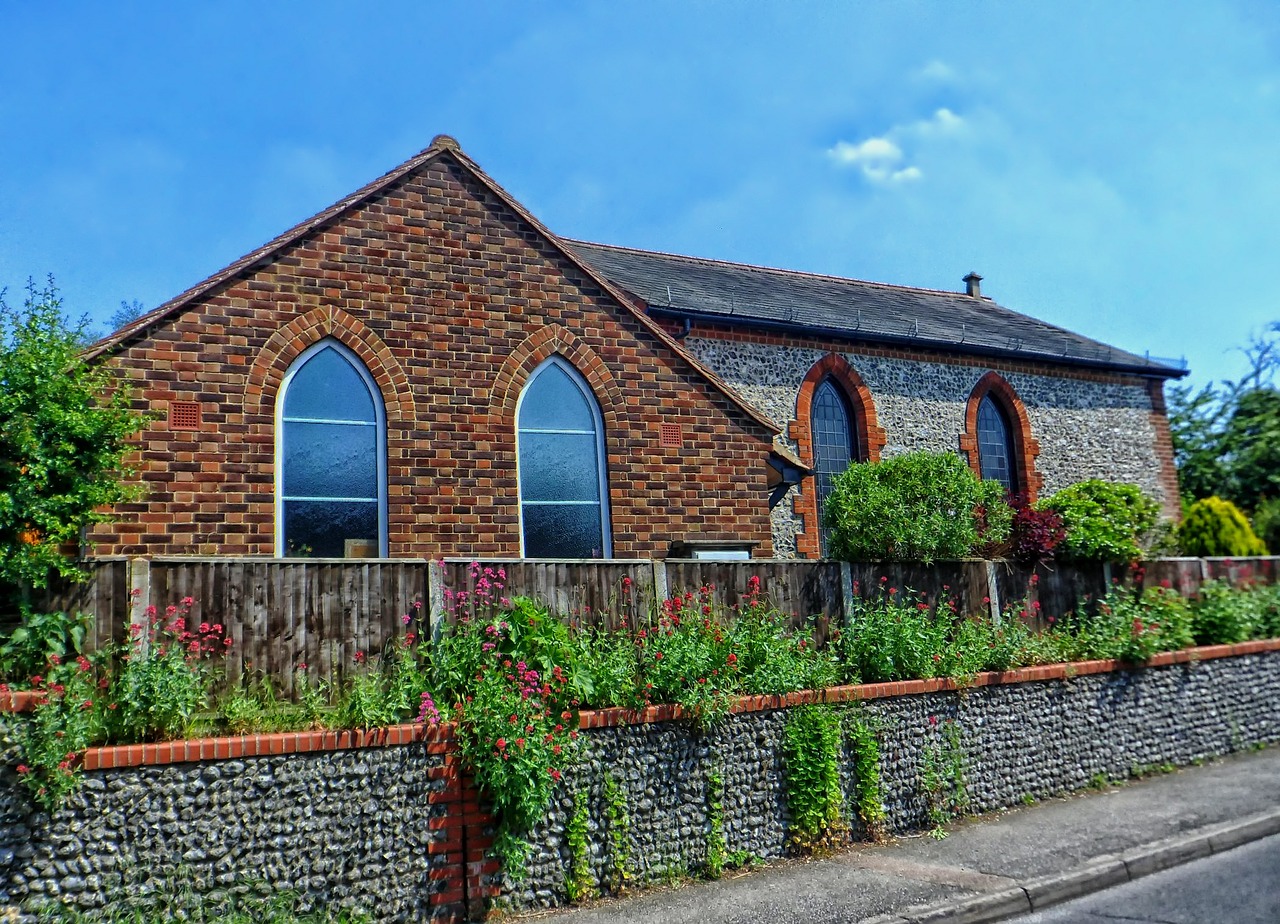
289	342
553	340
869	436
1025	448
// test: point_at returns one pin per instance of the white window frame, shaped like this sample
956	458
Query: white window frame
379	410
602	458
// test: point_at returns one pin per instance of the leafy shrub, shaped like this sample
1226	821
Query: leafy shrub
917	506
1128	625
166	675
1266	522
687	657
68	721
1224	615
811	747
1035	533
37	636
893	636
1104	521
1213	526
772	659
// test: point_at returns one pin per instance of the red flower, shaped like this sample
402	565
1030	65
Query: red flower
555	774
501	743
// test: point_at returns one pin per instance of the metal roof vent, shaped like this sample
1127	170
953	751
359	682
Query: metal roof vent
973	285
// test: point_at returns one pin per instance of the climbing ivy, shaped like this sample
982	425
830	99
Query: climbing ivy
811	749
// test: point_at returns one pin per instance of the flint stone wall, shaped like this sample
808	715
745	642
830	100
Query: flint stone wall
344	828
1086	429
1021	740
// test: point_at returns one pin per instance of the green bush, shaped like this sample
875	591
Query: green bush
914	507
1266	522
1214	526
1104	521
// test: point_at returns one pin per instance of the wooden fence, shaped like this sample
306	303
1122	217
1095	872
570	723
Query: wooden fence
281	613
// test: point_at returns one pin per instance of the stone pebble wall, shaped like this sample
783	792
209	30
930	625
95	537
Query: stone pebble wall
345	828
1085	429
1032	739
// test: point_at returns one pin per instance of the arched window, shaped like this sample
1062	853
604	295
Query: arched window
835	442
564	493
995	445
331	458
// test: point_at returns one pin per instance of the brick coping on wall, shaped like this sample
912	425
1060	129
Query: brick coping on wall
439	740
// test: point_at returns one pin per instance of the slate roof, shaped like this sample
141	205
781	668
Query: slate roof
736	293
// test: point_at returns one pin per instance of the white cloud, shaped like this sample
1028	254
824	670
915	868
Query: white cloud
879	157
937	70
873	152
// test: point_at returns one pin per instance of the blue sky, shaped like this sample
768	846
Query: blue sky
1110	167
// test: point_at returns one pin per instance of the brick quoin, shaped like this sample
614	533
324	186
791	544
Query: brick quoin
450	295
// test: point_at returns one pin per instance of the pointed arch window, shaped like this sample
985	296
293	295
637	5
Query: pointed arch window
835	442
564	492
995	445
331	465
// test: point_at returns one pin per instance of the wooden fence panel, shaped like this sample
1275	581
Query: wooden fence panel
611	594
1058	587
1183	575
964	581
807	592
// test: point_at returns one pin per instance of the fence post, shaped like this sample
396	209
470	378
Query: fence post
139	599
993	592
846	594
435	597
659	583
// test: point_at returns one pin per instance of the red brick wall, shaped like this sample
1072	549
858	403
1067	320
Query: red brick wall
451	299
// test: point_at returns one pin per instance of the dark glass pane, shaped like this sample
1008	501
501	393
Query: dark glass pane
330	460
559	466
562	531
319	529
553	401
329	388
831	424
995	451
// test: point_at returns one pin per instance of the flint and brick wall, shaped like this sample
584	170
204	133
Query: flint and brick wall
451	299
1084	424
385	822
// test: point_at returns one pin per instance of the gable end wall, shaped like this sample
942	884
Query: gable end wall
435	283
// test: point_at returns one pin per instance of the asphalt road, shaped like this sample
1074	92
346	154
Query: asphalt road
1240	886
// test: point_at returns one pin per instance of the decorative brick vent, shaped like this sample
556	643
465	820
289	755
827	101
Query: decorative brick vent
671	435
184	415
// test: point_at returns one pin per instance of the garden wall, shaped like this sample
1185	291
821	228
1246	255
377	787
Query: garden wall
383	820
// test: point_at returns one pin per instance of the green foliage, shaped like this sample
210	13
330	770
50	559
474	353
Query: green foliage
773	659
1224	615
893	635
914	507
1266	522
688	659
580	883
1104	521
864	743
943	776
50	739
40	635
1226	437
1128	625
717	852
1216	527
166	675
619	830
64	432
811	750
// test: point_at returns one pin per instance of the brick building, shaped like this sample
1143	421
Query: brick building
424	370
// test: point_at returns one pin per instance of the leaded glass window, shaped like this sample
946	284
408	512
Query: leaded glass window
331	466
834	443
564	496
995	445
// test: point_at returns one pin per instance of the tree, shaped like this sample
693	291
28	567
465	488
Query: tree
1226	438
64	432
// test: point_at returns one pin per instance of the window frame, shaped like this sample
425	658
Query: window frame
1014	487
380	415
602	457
857	452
